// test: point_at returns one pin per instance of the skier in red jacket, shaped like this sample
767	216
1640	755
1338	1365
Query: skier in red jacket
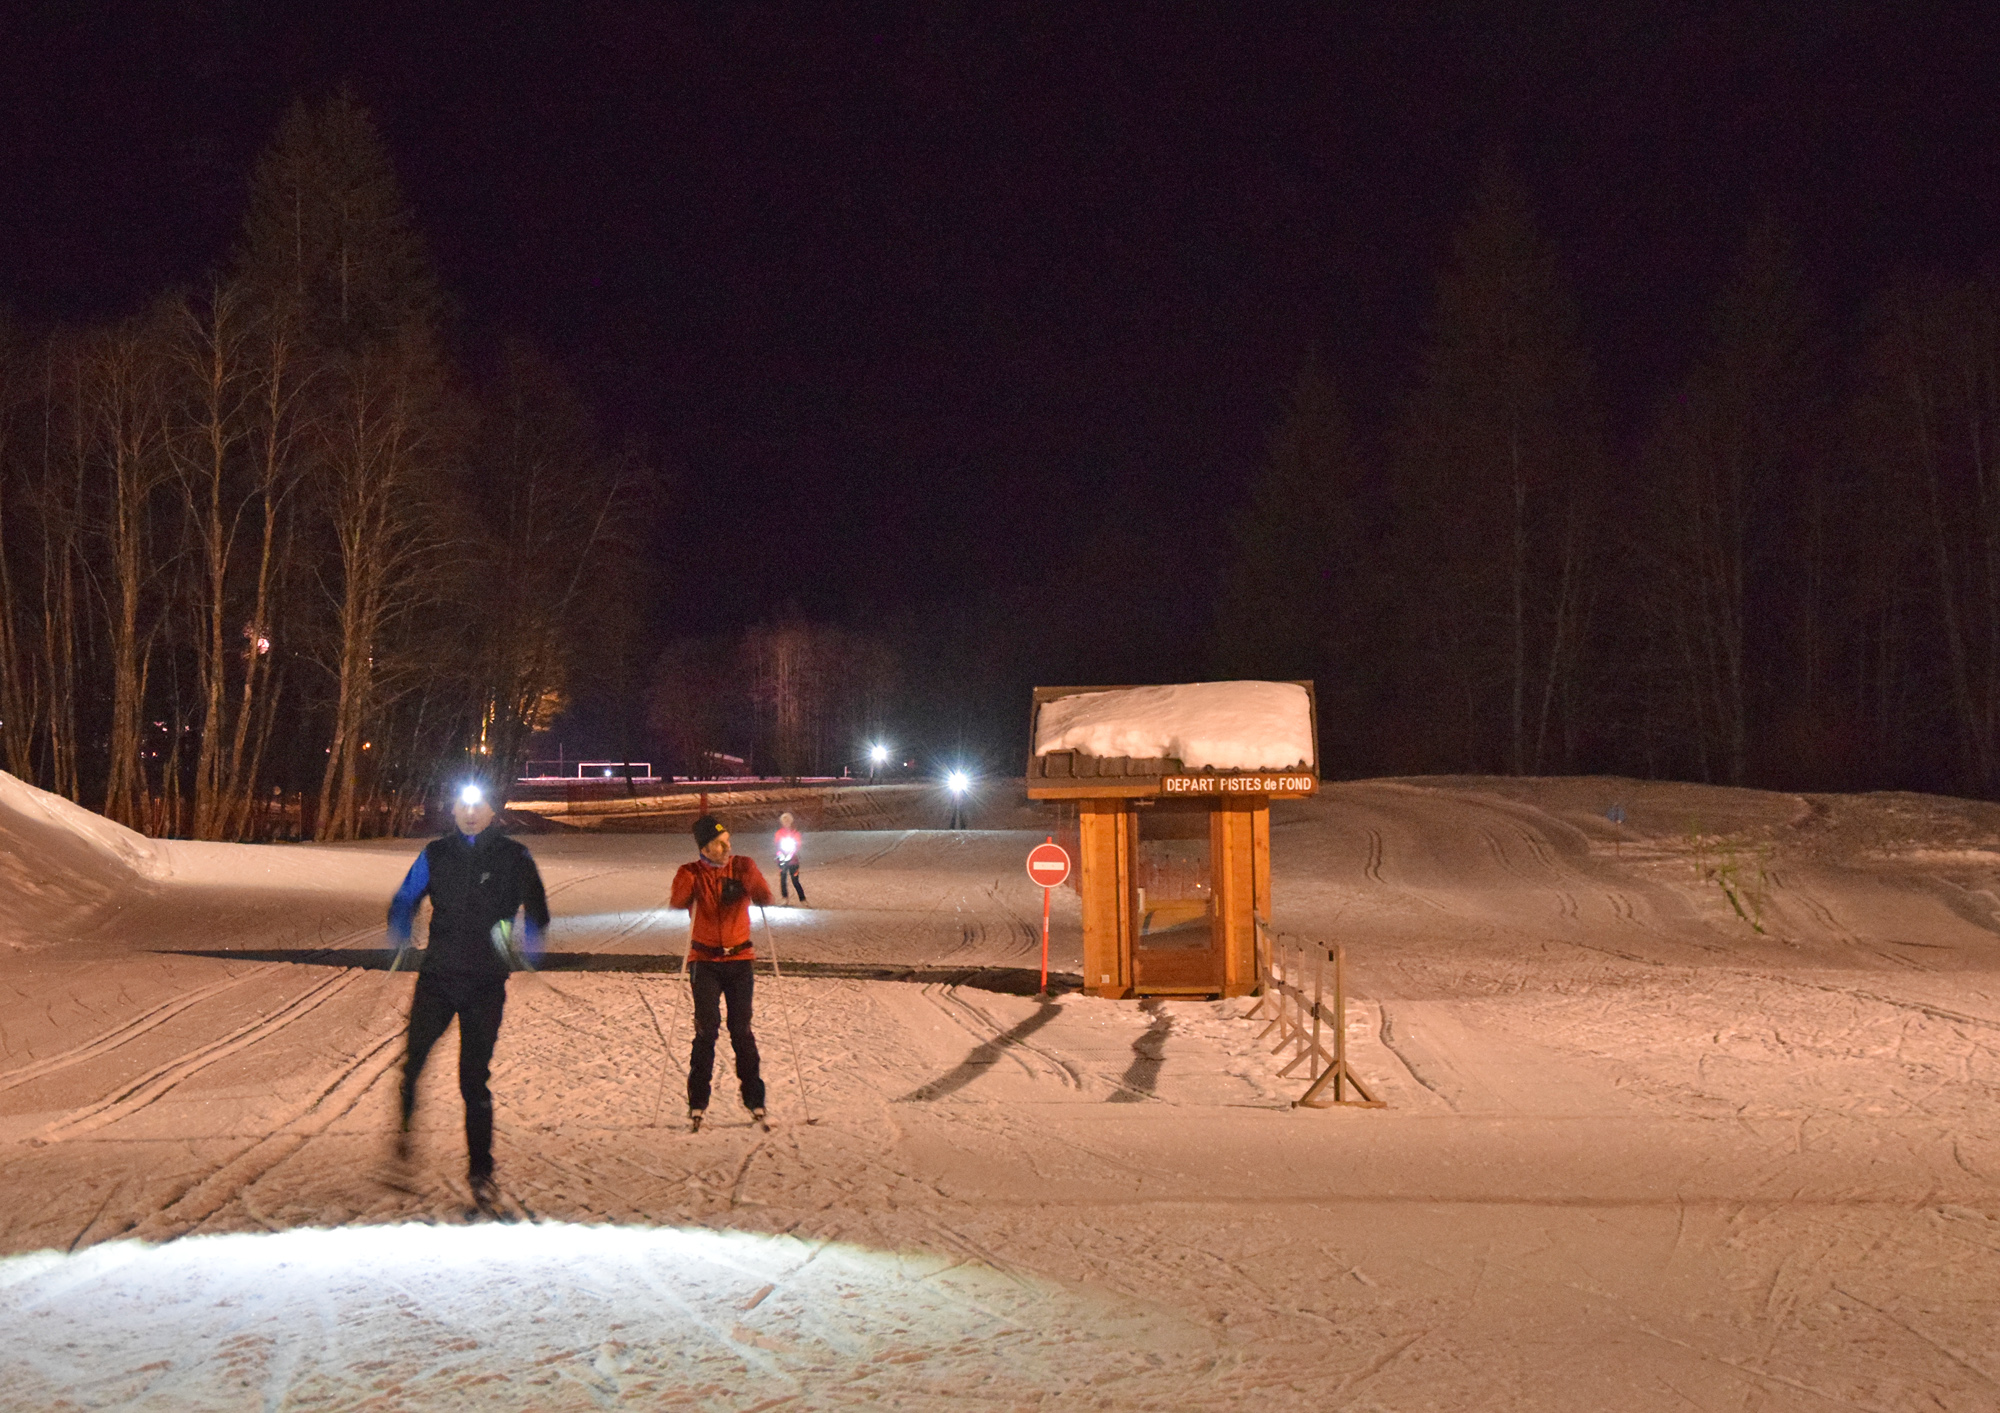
718	889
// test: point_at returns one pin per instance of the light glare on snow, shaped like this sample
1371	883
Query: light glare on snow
632	1312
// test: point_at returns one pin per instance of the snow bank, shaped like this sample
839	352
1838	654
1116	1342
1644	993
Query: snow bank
1204	725
57	859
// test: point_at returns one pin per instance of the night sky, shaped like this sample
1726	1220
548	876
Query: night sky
918	302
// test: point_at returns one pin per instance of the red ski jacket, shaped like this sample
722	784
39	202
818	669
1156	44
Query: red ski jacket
721	930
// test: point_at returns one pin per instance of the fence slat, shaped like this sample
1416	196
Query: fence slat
1281	979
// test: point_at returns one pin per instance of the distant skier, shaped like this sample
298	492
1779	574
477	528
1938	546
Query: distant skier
788	860
718	889
478	879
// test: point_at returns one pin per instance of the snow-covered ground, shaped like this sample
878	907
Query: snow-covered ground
1693	1111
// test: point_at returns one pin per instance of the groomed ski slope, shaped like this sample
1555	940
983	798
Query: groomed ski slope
1640	1155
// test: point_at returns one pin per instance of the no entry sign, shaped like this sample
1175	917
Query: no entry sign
1048	865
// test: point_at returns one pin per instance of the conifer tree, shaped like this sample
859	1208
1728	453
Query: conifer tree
1930	424
1493	497
1735	474
333	260
1297	589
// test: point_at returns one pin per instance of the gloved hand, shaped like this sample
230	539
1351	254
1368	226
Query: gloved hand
502	937
732	891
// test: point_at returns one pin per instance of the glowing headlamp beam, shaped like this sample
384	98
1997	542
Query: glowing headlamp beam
957	782
471	795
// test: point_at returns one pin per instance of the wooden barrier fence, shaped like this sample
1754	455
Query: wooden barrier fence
1293	976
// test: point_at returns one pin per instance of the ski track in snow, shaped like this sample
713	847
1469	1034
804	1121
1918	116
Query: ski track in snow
1639	1154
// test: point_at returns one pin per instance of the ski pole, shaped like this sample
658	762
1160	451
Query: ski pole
791	1036
667	1040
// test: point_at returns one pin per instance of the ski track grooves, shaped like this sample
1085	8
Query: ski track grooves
332	1100
990	1033
887	849
132	1029
150	1086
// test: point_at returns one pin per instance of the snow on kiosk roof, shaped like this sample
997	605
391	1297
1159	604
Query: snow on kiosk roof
1172	788
1193	738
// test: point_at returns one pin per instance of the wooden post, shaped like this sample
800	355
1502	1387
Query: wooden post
1232	879
1104	849
1319	959
1260	861
1341	1009
1337	1073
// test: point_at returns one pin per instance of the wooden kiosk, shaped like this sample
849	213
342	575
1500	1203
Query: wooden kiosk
1174	862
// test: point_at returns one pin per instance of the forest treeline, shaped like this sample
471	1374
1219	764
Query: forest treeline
280	541
1790	577
788	697
278	538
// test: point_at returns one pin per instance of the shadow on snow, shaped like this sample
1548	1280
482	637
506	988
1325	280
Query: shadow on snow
1011	981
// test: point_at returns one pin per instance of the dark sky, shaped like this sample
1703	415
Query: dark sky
916	298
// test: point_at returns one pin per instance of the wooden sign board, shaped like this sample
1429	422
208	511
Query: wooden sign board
1282	783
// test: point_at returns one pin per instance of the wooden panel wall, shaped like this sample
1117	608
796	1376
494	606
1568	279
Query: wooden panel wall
1107	833
1260	861
1233	875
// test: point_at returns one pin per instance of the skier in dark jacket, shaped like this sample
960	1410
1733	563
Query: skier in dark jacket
477	879
718	889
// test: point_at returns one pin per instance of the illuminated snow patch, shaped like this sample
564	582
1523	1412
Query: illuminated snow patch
540	1315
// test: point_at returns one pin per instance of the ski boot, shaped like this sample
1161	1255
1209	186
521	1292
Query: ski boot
757	1118
695	1116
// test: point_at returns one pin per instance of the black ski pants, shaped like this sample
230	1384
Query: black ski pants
478	1002
712	982
789	871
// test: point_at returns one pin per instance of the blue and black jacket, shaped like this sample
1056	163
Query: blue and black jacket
473	883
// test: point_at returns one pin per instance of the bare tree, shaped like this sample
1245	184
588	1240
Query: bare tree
384	459
127	416
19	694
689	701
560	521
278	405
203	449
785	682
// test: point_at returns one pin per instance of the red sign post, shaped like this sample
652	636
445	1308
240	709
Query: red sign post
1048	865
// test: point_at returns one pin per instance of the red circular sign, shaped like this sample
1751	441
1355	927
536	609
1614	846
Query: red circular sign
1048	865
